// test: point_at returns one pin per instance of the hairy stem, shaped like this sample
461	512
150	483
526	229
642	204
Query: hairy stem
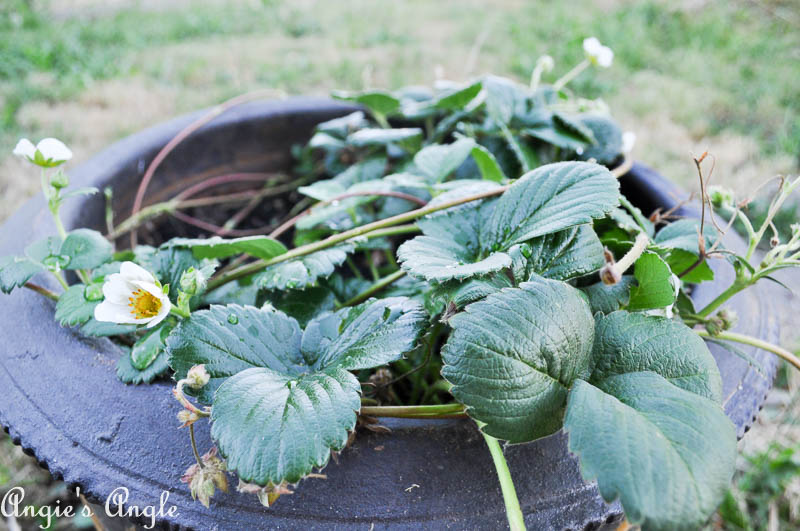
572	74
180	137
177	391
516	521
61	280
733	289
612	272
41	290
330	241
415	412
375	288
754	342
194	446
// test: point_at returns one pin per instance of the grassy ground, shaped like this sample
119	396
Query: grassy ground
689	75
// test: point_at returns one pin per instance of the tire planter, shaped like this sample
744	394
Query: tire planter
63	403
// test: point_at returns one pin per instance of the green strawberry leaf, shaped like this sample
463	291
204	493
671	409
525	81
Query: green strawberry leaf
378	102
475	239
565	254
654	279
680	261
487	164
283	398
437	162
273	427
230	339
129	374
633	342
304	271
371	334
15	271
607	299
450	248
513	356
150	346
74	308
302	304
607	144
666	453
549	199
262	247
458	99
684	234
86	249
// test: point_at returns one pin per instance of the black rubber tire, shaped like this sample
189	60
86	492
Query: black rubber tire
63	403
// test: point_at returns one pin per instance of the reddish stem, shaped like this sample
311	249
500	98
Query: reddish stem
180	137
224	179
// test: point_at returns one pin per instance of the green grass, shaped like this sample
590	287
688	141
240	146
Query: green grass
726	67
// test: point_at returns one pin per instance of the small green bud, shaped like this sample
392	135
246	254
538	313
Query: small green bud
714	326
193	281
59	180
728	318
721	197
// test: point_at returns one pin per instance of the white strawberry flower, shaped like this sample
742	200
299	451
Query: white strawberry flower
597	53
133	296
47	153
628	141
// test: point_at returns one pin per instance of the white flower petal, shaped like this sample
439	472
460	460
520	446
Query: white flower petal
132	272
25	148
591	46
605	57
54	149
117	290
628	141
150	288
109	312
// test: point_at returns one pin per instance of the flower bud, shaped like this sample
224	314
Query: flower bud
774	242
728	318
545	63
187	418
721	197
714	326
59	180
193	281
197	377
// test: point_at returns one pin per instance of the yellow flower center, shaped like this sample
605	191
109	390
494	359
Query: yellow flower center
144	304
